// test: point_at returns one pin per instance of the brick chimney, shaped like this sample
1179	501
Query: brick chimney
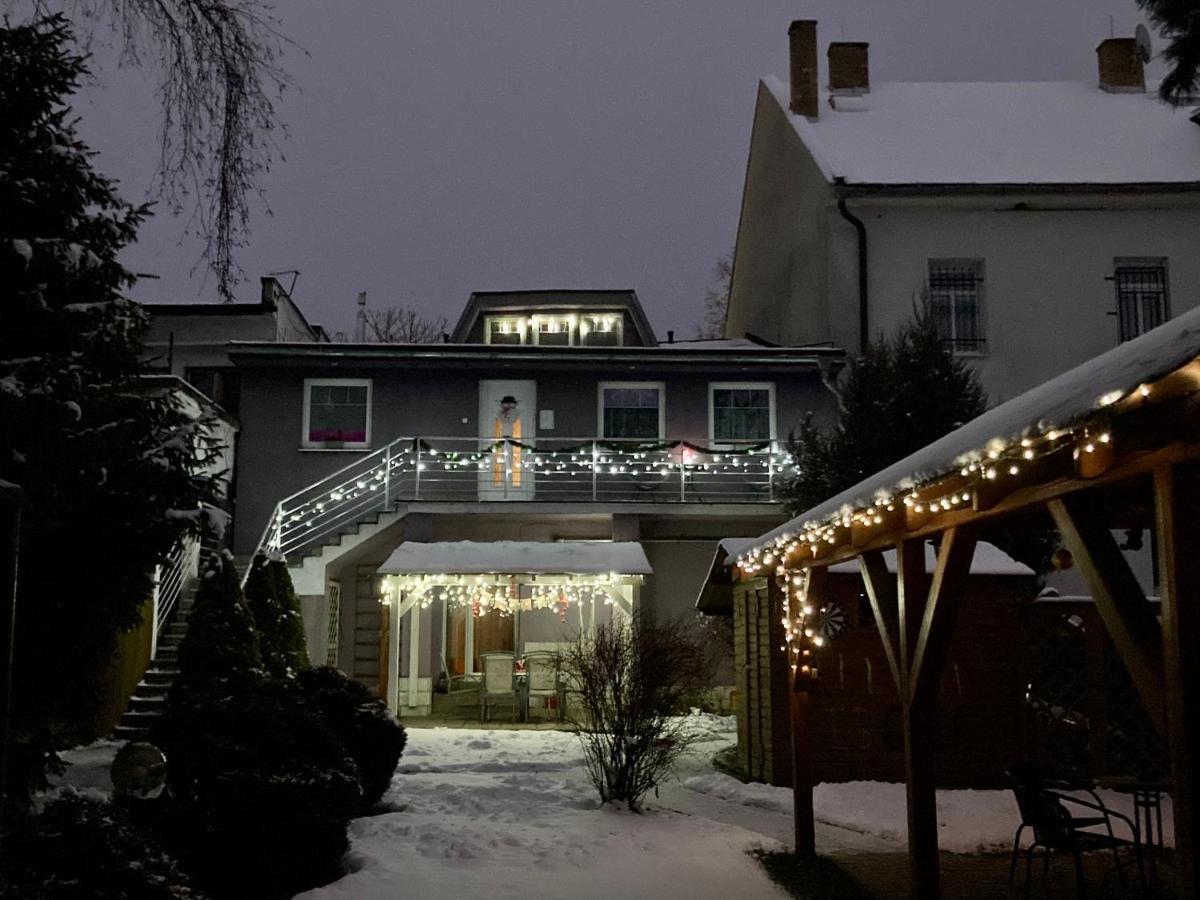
802	43
848	72
1121	67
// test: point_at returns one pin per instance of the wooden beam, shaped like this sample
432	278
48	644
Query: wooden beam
1119	599
1176	500
881	594
803	817
920	741
912	587
937	621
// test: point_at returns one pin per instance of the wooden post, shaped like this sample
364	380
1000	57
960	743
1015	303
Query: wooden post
801	682
1176	501
924	651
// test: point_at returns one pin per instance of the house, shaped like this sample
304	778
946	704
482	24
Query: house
191	340
1041	223
853	713
549	417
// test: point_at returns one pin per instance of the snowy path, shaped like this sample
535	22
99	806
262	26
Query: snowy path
499	814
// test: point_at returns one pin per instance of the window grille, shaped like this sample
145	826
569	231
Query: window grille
1142	301
333	632
956	303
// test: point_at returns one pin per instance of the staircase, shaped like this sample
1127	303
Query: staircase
149	699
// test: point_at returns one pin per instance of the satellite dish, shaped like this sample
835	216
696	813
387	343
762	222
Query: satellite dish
1142	36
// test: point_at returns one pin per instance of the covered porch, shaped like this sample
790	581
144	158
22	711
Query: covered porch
448	604
1113	445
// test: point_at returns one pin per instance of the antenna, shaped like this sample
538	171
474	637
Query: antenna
361	331
1142	36
295	273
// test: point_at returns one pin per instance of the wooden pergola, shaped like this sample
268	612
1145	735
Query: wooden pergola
1112	444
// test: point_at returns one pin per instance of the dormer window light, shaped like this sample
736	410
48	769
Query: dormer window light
506	329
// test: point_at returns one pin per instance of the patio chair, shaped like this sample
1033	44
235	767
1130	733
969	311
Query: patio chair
497	687
1048	813
542	679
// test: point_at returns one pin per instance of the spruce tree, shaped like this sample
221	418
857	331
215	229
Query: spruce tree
272	600
110	466
221	647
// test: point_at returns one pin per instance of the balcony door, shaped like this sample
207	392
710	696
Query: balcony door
507	425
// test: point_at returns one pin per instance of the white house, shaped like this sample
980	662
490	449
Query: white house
1043	223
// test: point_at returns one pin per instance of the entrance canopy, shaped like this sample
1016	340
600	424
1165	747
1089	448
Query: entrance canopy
514	558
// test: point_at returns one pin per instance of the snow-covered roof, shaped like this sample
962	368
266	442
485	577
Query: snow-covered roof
999	133
1061	403
988	560
517	558
714	344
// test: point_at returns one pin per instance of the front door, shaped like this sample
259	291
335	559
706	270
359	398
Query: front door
507	417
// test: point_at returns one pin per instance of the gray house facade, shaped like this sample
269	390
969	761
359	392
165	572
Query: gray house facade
548	416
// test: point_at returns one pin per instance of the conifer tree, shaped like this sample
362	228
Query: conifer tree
221	645
110	466
272	600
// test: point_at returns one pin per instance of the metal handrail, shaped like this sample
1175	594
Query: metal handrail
567	469
181	565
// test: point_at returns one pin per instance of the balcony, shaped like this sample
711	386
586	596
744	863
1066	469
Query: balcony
547	470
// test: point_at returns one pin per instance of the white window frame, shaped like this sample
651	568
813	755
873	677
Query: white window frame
309	384
618	315
522	328
535	328
963	262
660	386
713	386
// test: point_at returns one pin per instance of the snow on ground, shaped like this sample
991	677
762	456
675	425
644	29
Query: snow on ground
969	821
496	814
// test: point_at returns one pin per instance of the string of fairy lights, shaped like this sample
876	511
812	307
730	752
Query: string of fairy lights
505	595
753	465
989	468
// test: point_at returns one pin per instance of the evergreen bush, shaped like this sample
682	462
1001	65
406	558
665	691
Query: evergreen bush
221	644
277	618
82	849
372	736
262	790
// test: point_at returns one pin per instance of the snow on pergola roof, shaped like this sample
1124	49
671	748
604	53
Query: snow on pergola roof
517	558
1069	401
999	133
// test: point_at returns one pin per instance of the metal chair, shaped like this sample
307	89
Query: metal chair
1045	811
497	683
542	679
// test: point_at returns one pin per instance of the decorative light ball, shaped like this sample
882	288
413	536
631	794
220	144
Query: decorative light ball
139	771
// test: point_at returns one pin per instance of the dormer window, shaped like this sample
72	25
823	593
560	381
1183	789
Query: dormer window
506	329
601	329
554	331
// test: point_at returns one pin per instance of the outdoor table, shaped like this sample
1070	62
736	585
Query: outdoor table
1147	815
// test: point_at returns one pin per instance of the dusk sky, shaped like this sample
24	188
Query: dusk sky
442	147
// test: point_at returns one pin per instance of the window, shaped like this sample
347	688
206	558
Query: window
741	412
337	413
554	331
601	329
631	411
1142	301
505	329
956	303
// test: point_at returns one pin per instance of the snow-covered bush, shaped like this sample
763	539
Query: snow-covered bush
262	791
90	850
272	601
631	680
372	736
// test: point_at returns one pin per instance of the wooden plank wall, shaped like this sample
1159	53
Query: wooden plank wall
126	669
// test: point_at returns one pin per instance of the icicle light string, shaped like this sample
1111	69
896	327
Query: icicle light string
483	594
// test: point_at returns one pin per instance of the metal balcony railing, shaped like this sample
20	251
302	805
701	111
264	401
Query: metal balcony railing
555	470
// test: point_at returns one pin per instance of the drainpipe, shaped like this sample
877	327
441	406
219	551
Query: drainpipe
864	331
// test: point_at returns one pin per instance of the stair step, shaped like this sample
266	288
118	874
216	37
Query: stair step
151	689
146	703
130	733
144	718
159	676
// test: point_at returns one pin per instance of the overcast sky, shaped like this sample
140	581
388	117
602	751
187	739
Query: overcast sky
441	147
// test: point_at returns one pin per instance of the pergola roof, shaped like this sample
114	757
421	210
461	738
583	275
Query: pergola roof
517	558
1092	392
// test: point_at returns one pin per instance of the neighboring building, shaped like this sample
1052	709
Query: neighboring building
551	416
1042	223
191	340
853	711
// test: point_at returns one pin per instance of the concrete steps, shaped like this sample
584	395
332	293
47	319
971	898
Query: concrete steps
149	698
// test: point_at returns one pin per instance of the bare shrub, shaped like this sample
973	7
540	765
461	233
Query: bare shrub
632	679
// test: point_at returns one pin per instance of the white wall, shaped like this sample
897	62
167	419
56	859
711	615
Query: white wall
1046	300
